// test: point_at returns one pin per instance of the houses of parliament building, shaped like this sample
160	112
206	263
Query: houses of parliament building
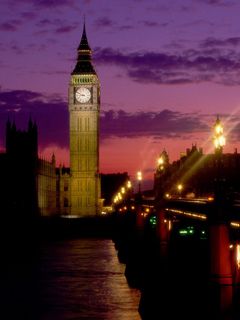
36	186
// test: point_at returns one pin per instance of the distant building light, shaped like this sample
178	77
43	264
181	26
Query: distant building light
210	198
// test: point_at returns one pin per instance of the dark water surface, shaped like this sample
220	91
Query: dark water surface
70	279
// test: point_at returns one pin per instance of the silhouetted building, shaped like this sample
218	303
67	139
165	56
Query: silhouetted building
28	184
197	171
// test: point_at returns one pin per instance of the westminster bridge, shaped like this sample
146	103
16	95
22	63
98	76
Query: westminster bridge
183	254
182	246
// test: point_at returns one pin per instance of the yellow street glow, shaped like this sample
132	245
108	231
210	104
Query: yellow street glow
179	187
129	184
139	175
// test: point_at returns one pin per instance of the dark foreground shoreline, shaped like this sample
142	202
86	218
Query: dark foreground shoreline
20	239
62	227
26	232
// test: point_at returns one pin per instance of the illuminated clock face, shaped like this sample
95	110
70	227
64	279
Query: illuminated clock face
83	95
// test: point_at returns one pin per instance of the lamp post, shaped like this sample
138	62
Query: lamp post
219	142
220	260
139	178
179	189
138	199
162	231
128	193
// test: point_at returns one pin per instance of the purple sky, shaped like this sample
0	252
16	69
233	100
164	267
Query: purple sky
167	68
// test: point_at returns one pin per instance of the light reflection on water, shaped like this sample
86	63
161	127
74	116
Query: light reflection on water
83	279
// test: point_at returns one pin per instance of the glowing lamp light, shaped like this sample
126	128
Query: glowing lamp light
129	184
210	198
219	129
218	140
139	175
123	190
169	225
179	187
139	178
160	161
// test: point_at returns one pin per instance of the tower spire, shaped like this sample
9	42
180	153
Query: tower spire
84	46
84	64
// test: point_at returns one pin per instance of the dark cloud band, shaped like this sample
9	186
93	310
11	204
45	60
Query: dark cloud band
189	66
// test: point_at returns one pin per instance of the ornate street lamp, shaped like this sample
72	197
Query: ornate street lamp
138	201
160	189
219	142
220	261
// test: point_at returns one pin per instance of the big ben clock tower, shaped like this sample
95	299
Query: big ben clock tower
84	108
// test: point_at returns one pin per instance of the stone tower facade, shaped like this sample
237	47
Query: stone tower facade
84	108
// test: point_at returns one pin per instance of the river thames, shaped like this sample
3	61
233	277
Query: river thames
69	279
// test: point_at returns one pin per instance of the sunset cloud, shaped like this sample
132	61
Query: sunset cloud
189	66
165	123
51	115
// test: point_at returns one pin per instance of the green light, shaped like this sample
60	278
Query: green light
188	231
153	220
183	232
